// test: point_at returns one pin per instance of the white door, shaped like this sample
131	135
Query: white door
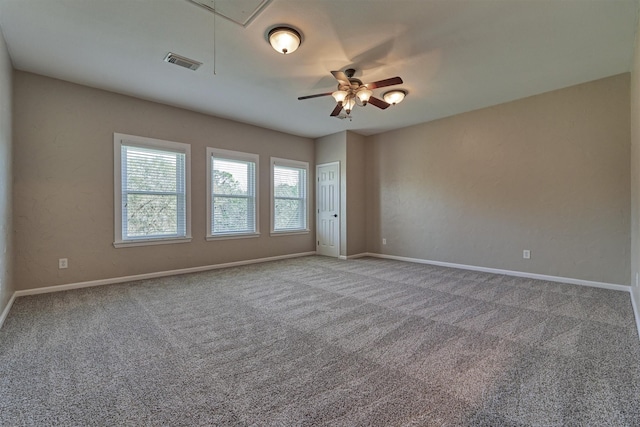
328	209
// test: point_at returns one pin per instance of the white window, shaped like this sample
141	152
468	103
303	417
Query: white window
232	204
289	189
152	191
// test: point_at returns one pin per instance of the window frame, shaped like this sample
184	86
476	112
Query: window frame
233	156
295	164
120	140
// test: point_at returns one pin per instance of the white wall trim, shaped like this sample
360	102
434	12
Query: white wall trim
634	304
5	312
603	285
91	283
558	279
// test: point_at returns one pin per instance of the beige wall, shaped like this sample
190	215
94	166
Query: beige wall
635	169
356	203
63	190
6	142
549	173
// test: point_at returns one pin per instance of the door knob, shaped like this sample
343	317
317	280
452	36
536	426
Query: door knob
335	215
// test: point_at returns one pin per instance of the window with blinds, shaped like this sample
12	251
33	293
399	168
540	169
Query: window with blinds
232	196
152	199
290	202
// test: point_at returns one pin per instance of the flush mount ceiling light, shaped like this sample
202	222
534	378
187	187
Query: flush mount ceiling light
395	96
284	39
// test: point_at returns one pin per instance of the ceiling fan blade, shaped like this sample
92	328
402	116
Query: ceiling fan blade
314	96
378	102
336	110
341	77
386	82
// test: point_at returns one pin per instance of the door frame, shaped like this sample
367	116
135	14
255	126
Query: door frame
338	204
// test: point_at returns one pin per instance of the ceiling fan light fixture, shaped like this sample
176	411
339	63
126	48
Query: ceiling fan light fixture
351	92
339	96
394	97
364	95
349	103
284	39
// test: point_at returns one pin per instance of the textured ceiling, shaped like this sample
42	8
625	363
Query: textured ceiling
454	55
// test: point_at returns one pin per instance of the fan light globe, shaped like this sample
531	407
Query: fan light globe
339	96
348	104
364	95
394	97
284	39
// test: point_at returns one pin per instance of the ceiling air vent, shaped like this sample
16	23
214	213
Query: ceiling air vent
182	61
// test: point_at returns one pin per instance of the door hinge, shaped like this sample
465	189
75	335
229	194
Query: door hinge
318	242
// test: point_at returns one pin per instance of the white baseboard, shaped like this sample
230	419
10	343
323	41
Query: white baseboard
634	303
611	286
91	283
114	280
572	281
5	312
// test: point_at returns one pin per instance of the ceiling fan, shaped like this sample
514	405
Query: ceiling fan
352	91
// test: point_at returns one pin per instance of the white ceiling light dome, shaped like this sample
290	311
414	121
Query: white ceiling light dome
284	39
395	96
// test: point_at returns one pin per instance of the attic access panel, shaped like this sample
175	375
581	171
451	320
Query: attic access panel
241	12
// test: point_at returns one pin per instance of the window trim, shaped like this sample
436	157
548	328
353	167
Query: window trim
119	140
276	161
243	157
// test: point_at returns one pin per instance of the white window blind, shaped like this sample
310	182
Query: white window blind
233	204
289	187
153	190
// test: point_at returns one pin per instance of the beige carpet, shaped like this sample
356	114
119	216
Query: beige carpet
318	341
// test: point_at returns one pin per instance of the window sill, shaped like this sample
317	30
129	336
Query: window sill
289	233
150	242
232	236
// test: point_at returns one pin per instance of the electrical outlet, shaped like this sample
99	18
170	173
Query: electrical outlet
63	263
384	241
526	254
